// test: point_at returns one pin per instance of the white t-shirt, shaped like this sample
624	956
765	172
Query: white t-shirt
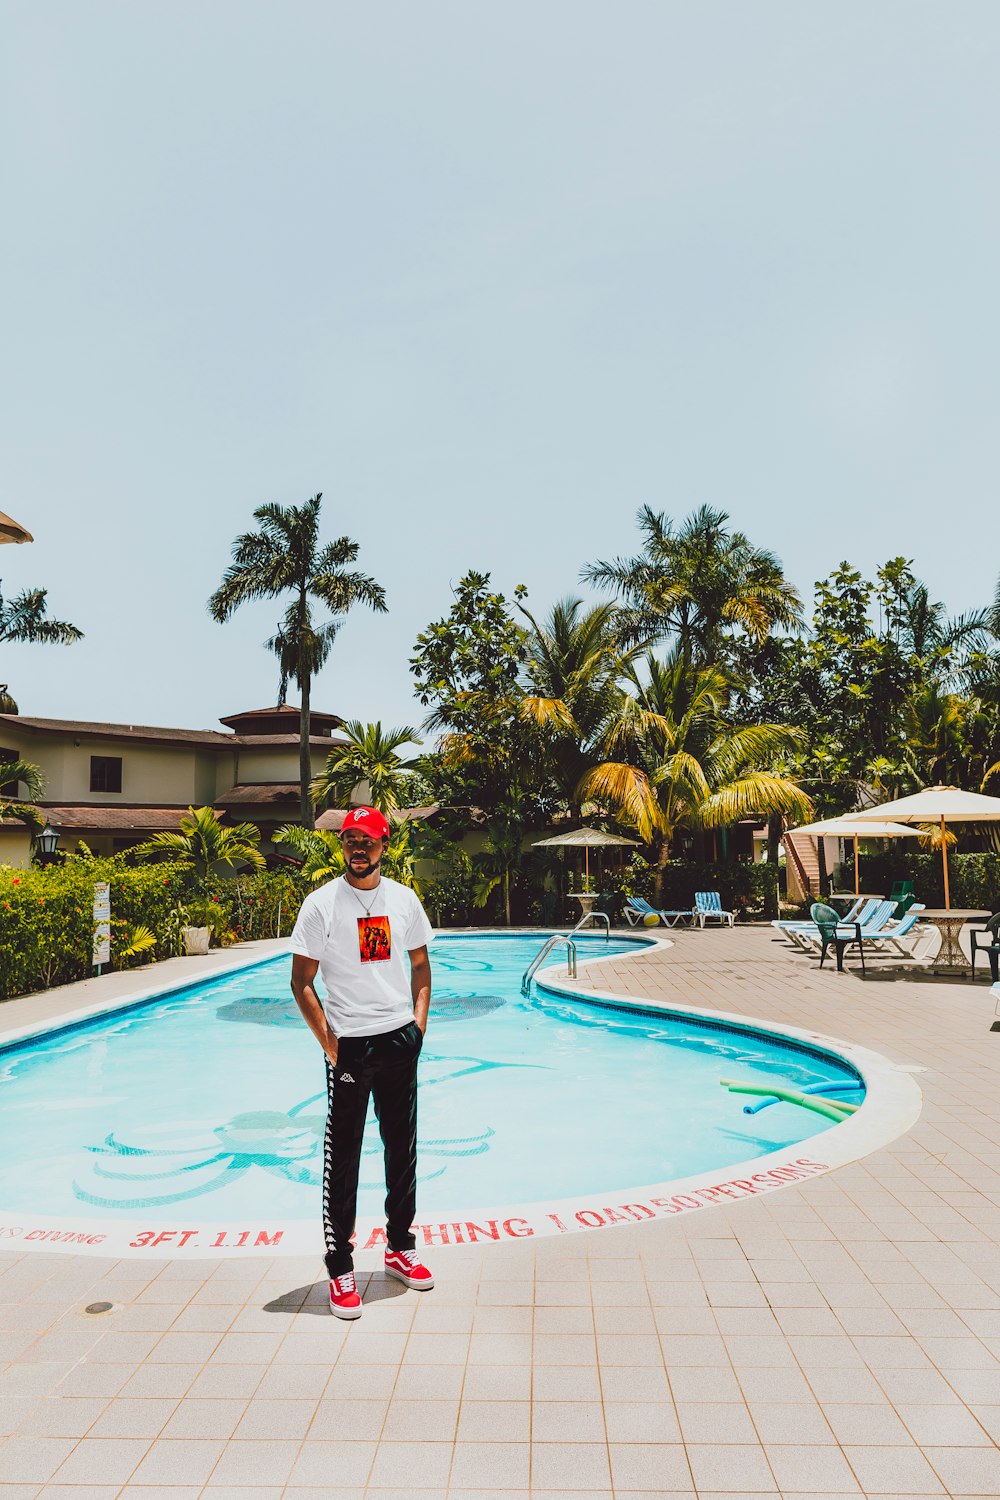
361	939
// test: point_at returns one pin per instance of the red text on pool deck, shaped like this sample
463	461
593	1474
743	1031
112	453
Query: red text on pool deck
118	1237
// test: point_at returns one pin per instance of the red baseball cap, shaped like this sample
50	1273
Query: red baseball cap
368	820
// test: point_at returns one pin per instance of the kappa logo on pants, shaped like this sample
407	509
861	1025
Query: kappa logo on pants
346	1078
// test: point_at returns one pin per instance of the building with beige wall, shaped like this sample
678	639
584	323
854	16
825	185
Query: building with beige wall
113	785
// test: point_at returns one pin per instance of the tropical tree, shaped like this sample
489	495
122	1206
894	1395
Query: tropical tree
318	850
370	757
285	557
674	763
572	669
15	773
489	756
204	845
321	856
24	619
700	583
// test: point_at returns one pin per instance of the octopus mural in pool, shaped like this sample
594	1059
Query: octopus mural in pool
148	1172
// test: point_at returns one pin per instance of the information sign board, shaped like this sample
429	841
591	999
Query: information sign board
102	923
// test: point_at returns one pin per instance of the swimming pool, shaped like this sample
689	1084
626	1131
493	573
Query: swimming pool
208	1103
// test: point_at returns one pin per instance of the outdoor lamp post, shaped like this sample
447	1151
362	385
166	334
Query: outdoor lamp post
47	841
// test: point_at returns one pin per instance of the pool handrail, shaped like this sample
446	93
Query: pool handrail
598	916
542	955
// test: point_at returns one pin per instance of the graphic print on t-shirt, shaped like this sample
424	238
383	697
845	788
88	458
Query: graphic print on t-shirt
374	940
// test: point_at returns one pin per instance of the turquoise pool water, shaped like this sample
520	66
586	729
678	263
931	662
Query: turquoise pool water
214	1097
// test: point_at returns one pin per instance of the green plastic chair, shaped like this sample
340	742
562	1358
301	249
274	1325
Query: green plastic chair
986	939
827	922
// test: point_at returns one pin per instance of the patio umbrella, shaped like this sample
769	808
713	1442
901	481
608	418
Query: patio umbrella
849	825
944	804
10	531
585	839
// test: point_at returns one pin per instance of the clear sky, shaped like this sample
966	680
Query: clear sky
490	277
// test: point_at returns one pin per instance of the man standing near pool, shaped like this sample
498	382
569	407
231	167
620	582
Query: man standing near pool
356	930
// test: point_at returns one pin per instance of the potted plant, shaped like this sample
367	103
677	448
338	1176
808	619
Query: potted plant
195	929
200	920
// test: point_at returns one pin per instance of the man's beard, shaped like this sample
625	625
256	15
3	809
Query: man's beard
368	869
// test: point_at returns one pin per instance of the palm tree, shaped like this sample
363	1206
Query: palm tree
939	647
698	581
321	856
678	765
572	668
318	850
204	845
285	556
12	773
23	619
370	756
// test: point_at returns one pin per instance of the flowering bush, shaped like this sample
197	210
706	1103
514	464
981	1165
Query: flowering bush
47	925
46	916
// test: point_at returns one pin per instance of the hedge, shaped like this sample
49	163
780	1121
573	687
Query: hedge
46	915
743	887
46	922
974	879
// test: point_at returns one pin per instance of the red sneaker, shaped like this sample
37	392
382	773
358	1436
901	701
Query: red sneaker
344	1299
405	1266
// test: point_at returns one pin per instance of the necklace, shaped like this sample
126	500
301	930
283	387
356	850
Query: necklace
366	909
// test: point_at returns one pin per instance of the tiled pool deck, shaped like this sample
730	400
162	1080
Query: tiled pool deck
839	1338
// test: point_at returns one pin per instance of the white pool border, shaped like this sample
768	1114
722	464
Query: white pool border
891	1107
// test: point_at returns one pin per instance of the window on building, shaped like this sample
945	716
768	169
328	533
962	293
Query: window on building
105	773
8	788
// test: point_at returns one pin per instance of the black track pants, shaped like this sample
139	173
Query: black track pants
384	1067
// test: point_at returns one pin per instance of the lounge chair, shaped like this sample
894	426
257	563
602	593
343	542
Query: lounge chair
708	904
798	929
893	933
880	930
637	910
875	922
986	939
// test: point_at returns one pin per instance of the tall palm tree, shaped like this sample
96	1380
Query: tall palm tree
204	845
23	619
371	756
285	557
573	663
697	581
13	773
674	763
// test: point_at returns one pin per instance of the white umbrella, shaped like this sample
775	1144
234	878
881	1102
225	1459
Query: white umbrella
944	804
10	531
851	825
586	839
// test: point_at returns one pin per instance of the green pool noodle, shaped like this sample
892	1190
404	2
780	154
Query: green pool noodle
831	1109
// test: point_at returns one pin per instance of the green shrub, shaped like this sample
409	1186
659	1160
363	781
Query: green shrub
263	905
46	915
974	878
742	887
448	899
46	919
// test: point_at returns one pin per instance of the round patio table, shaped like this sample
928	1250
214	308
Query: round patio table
950	957
586	900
